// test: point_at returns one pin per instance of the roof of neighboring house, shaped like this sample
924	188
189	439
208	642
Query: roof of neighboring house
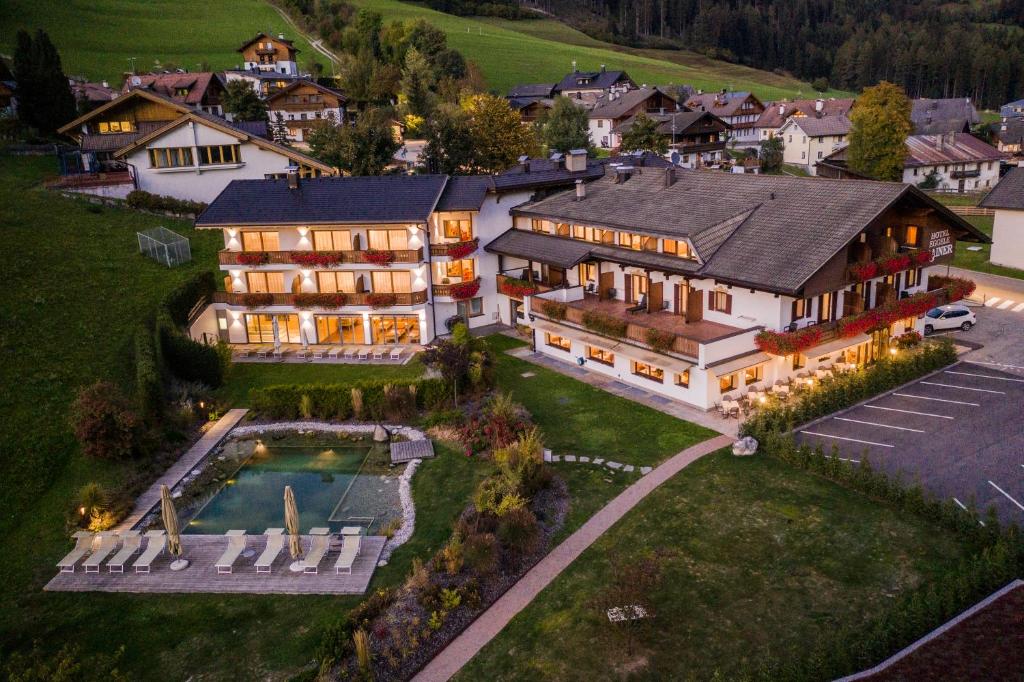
822	127
321	88
520	103
111	142
591	80
763	231
256	74
168	84
257	128
682	120
933	116
1009	193
138	93
465	193
263	34
1009	131
92	92
929	150
1010	108
334	200
719	103
771	118
637	160
540	173
533	90
616	105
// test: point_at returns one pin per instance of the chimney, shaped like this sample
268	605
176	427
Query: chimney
293	177
574	69
280	36
524	163
106	84
623	173
670	176
819	105
576	160
602	68
782	110
581	190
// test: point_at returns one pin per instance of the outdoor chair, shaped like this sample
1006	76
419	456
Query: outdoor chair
279	353
131	542
320	540
107	543
243	351
350	352
319	352
157	543
303	354
275	543
363	353
335	351
396	353
236	545
378	352
640	306
83	543
349	551
263	351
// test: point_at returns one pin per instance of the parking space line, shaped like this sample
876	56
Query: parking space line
884	426
963	388
854	440
1004	305
997	364
961	505
992	301
1007	495
923	414
985	376
938	400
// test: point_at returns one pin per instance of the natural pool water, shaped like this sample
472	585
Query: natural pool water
335	484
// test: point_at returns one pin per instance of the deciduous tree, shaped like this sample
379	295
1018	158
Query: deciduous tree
566	127
499	138
365	148
242	102
771	154
643	136
449	148
881	124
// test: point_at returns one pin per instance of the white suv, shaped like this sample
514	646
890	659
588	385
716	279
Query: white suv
953	316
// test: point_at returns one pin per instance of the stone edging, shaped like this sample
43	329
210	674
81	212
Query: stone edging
403	534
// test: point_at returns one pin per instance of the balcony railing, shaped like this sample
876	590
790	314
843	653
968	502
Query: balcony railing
229	257
966	173
447	249
454	289
363	298
638	333
508	285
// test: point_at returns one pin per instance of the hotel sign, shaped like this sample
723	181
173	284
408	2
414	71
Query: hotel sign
940	243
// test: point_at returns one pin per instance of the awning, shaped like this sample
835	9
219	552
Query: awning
739	363
838	344
663	361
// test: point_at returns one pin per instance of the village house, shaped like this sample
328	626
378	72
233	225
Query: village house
1007	199
664	279
740	110
809	139
612	109
300	105
1008	134
268	53
203	90
89	95
172	149
776	114
1012	109
696	139
531	100
937	116
588	86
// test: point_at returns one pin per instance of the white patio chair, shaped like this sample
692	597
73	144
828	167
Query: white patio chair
349	551
350	352
378	352
275	543
320	540
363	353
396	352
334	352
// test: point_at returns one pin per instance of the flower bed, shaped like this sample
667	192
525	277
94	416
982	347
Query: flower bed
316	259
463	290
257	300
604	324
462	249
553	309
377	257
253	258
319	300
517	288
381	300
660	340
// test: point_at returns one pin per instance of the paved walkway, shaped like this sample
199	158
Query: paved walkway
185	464
711	420
490	623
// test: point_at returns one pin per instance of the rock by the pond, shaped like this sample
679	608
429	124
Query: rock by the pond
380	434
744	446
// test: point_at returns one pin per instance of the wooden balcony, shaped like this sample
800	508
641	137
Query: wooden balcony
446	289
357	299
229	257
503	279
443	248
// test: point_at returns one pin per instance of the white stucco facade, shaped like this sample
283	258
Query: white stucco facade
985	175
1008	238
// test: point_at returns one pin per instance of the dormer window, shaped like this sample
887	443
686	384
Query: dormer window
181	92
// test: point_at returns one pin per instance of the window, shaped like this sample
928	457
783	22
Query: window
260	328
636	286
605	357
720	301
308	171
538	225
170	157
456	271
801	307
388	240
339	328
825	305
116	127
803	155
562	229
642	369
336	282
262	240
819	154
727	382
391	282
220	154
458	229
556	341
332	240
588	272
913	277
911	235
600	123
799	361
265	282
650	244
474	307
678	248
751	375
631	240
395	328
683	378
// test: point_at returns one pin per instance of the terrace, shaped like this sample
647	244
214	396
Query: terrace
232	257
251	300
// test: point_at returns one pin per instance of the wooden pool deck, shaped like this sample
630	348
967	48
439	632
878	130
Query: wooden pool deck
201	576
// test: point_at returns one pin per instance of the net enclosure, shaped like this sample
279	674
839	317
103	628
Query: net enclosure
165	246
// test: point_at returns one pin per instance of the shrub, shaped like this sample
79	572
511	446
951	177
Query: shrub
361	643
181	300
660	340
491	491
253	258
104	425
462	249
419	576
148	382
377	300
436	620
91	498
318	300
519	531
376	257
336	642
188	359
517	288
316	259
480	551
450	599
306	407
257	300
908	340
140	199
553	309
788	343
463	290
452	555
605	324
362	400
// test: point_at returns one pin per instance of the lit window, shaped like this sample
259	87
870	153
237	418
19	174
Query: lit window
600	355
721	302
458	229
219	154
474	307
170	157
753	374
254	240
538	225
336	282
332	240
388	240
911	236
265	282
631	240
727	382
683	378
556	341
646	371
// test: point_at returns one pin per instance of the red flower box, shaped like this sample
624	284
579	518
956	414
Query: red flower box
381	300
462	249
788	343
316	259
382	258
319	300
257	300
922	257
517	288
894	264
253	258
863	271
464	290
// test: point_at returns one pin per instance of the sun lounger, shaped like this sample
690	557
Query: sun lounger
279	353
107	543
396	353
334	352
131	541
157	543
319	542
349	552
236	545
350	352
83	543
263	351
320	351
303	353
378	352
275	543
243	351
363	353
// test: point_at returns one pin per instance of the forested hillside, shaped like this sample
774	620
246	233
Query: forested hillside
933	48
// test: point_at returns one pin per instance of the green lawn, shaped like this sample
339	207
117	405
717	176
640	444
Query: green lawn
542	50
757	558
979	260
97	38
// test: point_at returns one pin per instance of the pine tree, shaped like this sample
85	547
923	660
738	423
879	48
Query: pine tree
44	95
417	79
881	124
566	127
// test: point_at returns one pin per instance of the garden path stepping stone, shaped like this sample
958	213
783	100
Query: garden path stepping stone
407	450
614	465
556	458
584	459
527	375
570	458
599	460
628	467
645	470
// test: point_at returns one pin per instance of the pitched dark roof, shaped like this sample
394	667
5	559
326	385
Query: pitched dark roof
544	173
1011	109
682	120
464	193
354	200
1009	193
772	118
533	90
257	128
928	150
934	116
617	105
1009	130
305	81
564	253
824	126
591	80
519	103
718	103
263	34
769	232
199	85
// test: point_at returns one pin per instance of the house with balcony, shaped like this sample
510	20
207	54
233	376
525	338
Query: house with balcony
612	109
739	109
268	53
697	285
696	139
202	90
298	106
776	113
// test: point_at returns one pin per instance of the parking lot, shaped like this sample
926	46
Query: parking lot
959	431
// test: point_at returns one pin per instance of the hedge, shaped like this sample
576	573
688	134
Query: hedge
148	379
155	202
183	298
187	359
334	401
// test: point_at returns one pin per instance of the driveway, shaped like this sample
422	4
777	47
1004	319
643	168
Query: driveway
960	432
